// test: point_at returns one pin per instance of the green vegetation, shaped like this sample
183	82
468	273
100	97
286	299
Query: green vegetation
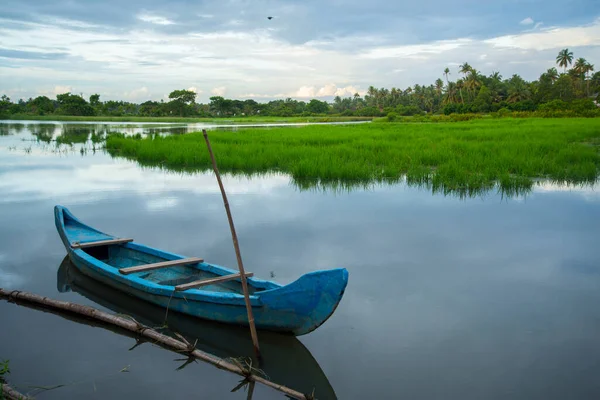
186	120
465	157
472	92
4	370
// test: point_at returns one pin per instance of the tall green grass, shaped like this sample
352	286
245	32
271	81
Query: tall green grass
465	157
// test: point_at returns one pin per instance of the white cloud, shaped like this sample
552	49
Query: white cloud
219	91
161	203
103	180
155	19
527	21
416	50
140	94
62	89
551	38
256	62
328	90
53	91
195	90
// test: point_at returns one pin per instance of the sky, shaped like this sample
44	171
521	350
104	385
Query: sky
142	50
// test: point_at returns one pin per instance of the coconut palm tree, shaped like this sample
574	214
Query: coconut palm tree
439	85
447	72
552	73
459	85
517	89
580	68
564	58
587	69
496	76
465	68
450	96
472	82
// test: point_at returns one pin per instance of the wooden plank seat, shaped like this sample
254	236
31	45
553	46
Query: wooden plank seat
211	281
158	265
77	245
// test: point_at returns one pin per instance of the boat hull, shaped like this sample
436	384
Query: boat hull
297	308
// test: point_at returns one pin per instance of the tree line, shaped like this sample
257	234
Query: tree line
572	88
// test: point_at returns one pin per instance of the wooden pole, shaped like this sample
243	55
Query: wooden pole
237	250
131	325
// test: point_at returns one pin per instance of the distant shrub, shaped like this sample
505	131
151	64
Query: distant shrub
525	105
408	110
504	112
553	105
392	116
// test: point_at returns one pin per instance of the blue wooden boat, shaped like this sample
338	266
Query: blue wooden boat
282	356
197	288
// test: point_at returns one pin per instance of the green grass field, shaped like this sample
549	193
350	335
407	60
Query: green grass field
237	120
465	157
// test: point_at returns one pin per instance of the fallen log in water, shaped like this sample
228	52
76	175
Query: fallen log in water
6	392
131	325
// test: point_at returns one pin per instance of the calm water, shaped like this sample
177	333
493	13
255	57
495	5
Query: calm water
488	297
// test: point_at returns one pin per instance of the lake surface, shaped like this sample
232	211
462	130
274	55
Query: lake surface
489	297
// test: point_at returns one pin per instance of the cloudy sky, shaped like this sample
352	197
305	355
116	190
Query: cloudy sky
138	50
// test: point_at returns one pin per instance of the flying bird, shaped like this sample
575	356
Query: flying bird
269	17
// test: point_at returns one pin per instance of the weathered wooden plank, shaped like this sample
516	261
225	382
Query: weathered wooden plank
158	265
77	245
211	281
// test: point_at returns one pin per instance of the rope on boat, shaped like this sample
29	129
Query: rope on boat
157	338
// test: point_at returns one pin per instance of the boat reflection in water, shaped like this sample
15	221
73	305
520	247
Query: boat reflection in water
285	360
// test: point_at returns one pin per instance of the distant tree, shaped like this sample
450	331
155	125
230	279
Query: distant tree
72	104
439	86
180	100
94	100
451	93
446	73
220	106
41	105
5	104
563	88
483	101
465	68
472	83
564	58
317	107
517	89
496	76
552	74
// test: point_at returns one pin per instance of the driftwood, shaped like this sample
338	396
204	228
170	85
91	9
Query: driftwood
180	346
6	392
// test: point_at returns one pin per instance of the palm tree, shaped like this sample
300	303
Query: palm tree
472	82
496	76
439	85
580	68
587	69
517	89
371	96
552	73
447	72
465	68
564	58
459	86
450	96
